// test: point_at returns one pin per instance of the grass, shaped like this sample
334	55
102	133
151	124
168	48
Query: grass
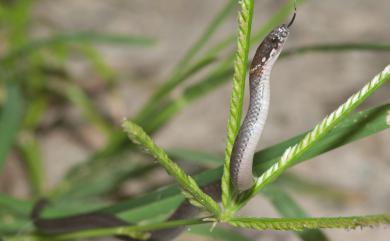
36	81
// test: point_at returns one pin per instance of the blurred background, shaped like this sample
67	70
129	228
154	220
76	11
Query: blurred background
72	70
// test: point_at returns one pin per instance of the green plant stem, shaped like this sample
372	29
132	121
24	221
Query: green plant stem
237	96
300	224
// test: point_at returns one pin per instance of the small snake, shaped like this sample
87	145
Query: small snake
250	131
241	158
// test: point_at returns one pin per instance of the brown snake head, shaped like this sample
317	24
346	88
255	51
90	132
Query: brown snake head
269	49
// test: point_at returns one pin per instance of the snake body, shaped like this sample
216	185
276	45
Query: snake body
241	158
250	131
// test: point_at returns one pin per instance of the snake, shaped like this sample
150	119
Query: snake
241	160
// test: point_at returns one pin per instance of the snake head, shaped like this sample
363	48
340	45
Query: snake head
269	49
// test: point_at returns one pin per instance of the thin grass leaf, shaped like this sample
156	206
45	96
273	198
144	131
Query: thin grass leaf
153	212
237	97
35	111
181	71
300	224
99	64
80	99
354	127
189	185
190	94
217	233
321	191
337	47
288	208
197	157
77	37
207	34
14	205
30	150
137	232
11	114
99	177
321	130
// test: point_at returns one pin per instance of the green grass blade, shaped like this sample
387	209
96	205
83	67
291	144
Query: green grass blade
288	208
210	30
337	47
11	115
14	205
217	233
237	96
88	109
193	92
77	37
32	157
181	70
318	190
292	154
189	185
300	224
137	232
98	63
197	157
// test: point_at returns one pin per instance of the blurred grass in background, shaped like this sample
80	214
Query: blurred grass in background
36	87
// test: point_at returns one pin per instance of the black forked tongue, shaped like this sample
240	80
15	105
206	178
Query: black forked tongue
293	18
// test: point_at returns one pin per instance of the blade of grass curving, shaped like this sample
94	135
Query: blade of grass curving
337	47
321	191
177	76
191	93
97	61
99	177
217	233
237	96
153	212
11	115
197	157
14	205
354	127
80	99
77	37
321	130
137	232
288	208
300	224
189	185
210	30
30	150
